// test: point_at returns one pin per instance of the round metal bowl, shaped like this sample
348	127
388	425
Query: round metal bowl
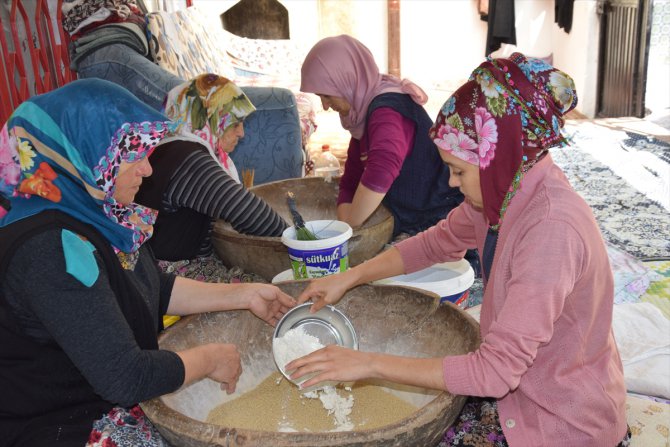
329	325
316	199
389	319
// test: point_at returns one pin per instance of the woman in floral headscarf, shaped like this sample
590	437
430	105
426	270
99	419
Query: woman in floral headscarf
195	182
547	372
81	299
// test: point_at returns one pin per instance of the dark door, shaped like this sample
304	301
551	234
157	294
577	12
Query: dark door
624	51
257	19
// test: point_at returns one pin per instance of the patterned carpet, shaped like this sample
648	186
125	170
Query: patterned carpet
625	178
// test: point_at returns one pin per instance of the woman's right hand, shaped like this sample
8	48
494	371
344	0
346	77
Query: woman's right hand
332	363
227	366
326	290
217	361
331	288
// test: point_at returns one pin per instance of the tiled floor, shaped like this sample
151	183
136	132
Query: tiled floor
653	125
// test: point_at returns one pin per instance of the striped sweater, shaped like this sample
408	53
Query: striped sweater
197	194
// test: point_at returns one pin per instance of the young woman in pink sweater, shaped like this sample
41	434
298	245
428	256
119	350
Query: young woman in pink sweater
548	372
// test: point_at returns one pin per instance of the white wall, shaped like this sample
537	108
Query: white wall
442	41
369	26
452	42
302	15
577	54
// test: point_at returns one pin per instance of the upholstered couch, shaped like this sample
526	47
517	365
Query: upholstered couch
186	43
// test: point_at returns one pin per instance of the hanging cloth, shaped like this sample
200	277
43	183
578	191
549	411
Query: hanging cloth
501	24
563	14
483	9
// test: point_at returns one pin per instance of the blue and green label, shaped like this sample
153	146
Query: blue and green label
317	263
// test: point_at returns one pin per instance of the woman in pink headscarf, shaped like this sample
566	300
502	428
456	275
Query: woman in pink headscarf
391	159
547	372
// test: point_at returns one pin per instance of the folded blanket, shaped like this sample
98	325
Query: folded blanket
642	334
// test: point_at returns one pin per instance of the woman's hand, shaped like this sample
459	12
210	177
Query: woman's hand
227	366
331	288
335	363
332	363
266	301
218	361
364	203
326	290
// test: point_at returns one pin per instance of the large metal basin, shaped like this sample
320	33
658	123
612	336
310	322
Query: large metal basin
391	319
316	199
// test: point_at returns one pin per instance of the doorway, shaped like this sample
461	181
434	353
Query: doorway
624	53
657	96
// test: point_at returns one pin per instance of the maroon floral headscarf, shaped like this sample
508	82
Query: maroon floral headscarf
504	119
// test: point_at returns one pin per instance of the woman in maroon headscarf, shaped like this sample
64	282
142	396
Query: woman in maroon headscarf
547	372
391	159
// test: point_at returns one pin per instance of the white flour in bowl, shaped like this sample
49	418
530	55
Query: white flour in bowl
296	343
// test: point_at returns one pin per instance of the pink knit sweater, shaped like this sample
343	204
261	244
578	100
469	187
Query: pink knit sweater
548	353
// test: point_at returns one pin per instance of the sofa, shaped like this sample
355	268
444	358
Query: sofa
186	43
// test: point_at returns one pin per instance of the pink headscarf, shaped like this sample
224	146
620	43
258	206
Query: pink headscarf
342	66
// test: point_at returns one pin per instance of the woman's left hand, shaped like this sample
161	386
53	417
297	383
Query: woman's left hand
266	301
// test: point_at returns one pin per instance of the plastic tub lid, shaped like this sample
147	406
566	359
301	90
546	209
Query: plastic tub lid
444	279
331	233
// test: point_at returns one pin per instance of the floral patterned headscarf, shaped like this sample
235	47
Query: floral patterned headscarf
504	119
204	108
63	149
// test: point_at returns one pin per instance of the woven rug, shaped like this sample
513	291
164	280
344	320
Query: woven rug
625	178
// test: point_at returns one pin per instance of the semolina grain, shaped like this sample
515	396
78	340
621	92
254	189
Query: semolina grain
277	405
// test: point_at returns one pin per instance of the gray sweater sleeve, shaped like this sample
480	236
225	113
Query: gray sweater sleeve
87	323
200	184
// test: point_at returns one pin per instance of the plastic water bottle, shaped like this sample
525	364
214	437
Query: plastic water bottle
326	165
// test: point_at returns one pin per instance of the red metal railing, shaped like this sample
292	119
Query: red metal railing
34	56
33	53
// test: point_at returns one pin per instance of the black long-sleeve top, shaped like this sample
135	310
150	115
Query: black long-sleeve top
52	306
197	194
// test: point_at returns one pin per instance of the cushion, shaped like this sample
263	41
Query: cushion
642	334
649	422
270	57
247	62
658	292
272	137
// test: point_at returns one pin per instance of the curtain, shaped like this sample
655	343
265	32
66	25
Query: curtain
501	24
